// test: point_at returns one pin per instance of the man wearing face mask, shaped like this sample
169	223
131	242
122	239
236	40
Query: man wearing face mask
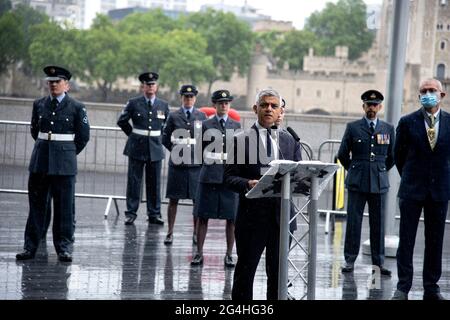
366	152
422	155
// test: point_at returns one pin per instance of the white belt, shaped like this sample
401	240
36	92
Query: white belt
151	133
183	140
216	156
56	136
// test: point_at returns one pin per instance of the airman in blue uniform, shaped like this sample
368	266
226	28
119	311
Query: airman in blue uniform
181	136
144	148
214	200
60	126
366	151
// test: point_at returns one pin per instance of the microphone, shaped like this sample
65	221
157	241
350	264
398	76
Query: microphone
293	134
297	138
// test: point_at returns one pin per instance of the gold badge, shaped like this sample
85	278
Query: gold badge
52	71
373	96
224	94
189	89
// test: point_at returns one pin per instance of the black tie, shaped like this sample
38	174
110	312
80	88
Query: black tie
54	103
222	124
269	143
188	115
150	104
372	128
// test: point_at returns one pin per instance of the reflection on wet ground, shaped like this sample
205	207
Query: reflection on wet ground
113	261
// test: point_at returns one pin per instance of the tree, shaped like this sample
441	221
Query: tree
11	34
230	43
342	24
5	6
153	21
293	47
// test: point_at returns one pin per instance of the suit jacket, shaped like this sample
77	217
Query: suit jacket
213	173
58	157
193	127
423	171
141	147
236	177
367	157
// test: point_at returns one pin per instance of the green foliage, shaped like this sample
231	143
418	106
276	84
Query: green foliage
11	34
342	24
153	21
5	6
230	42
294	46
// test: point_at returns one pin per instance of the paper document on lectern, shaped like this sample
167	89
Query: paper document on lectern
301	172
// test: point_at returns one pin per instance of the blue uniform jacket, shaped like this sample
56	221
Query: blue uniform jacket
213	173
423	171
177	120
140	147
58	157
367	157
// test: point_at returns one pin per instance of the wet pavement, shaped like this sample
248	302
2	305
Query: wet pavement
113	261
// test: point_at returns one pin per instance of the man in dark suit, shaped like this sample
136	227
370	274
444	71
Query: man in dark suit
144	148
257	224
366	152
214	200
60	126
182	137
422	157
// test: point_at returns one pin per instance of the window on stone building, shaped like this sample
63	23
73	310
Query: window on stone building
299	92
442	45
338	94
319	93
440	72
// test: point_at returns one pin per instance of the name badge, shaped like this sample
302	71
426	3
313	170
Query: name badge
160	115
198	124
383	138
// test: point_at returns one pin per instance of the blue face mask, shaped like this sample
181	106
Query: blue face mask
429	100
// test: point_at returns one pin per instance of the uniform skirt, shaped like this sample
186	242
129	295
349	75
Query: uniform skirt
214	201
182	182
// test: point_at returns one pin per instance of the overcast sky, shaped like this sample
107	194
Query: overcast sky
288	10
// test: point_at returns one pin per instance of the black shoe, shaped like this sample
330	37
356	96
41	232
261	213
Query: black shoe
385	272
197	260
64	257
228	261
155	220
399	295
433	296
348	267
169	239
130	220
25	255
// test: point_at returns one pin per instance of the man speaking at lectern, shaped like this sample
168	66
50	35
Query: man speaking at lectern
257	224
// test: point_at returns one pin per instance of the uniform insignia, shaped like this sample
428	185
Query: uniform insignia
52	71
373	96
189	89
85	119
224	94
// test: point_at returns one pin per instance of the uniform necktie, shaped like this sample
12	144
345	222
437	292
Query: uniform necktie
372	127
431	132
188	115
269	143
222	124
54	103
150	106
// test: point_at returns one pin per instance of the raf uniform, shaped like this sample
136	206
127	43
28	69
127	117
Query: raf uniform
366	151
144	148
183	178
214	200
60	127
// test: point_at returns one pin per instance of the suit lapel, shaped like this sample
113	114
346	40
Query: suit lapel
63	103
443	128
364	126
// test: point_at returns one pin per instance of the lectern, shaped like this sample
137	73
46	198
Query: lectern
284	179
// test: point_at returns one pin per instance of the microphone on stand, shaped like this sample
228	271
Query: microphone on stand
297	138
